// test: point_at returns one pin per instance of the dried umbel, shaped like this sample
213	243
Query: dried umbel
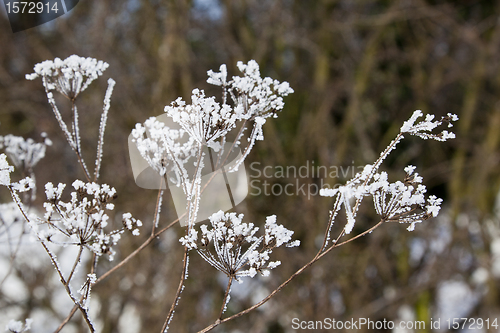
70	76
82	220
403	202
24	153
233	247
208	122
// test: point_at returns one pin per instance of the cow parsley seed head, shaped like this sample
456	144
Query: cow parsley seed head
24	153
5	170
204	119
83	220
233	246
423	129
167	150
70	76
15	326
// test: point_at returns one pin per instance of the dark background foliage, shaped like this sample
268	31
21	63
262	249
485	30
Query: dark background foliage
359	69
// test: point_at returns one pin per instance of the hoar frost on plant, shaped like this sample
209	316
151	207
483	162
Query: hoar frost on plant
23	185
206	121
82	220
15	326
230	245
70	76
24	153
401	201
233	247
5	170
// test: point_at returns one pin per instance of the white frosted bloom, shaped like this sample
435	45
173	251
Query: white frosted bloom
15	326
204	119
232	246
83	219
24	184
24	153
409	169
423	129
5	170
70	76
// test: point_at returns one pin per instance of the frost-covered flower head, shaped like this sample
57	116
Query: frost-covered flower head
70	76
233	247
24	153
253	95
401	201
82	220
204	119
15	326
166	149
207	122
5	170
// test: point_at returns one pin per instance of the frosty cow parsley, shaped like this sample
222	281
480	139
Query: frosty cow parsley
233	246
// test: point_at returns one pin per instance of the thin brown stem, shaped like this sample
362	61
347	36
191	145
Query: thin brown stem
226	295
67	319
170	315
77	260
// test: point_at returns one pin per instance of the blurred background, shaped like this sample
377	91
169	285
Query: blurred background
359	69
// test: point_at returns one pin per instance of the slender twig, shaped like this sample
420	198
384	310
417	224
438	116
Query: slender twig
180	288
77	260
226	295
136	251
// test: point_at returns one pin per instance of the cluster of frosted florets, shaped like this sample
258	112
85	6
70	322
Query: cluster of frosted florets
204	119
232	247
24	153
261	97
207	122
70	76
82	219
5	170
131	223
403	202
15	326
23	185
165	149
423	128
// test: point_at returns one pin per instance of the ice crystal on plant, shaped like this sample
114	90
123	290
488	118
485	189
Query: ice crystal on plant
204	119
70	76
15	326
82	220
5	170
233	247
24	153
404	201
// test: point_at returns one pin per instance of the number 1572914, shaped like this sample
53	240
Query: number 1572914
30	7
